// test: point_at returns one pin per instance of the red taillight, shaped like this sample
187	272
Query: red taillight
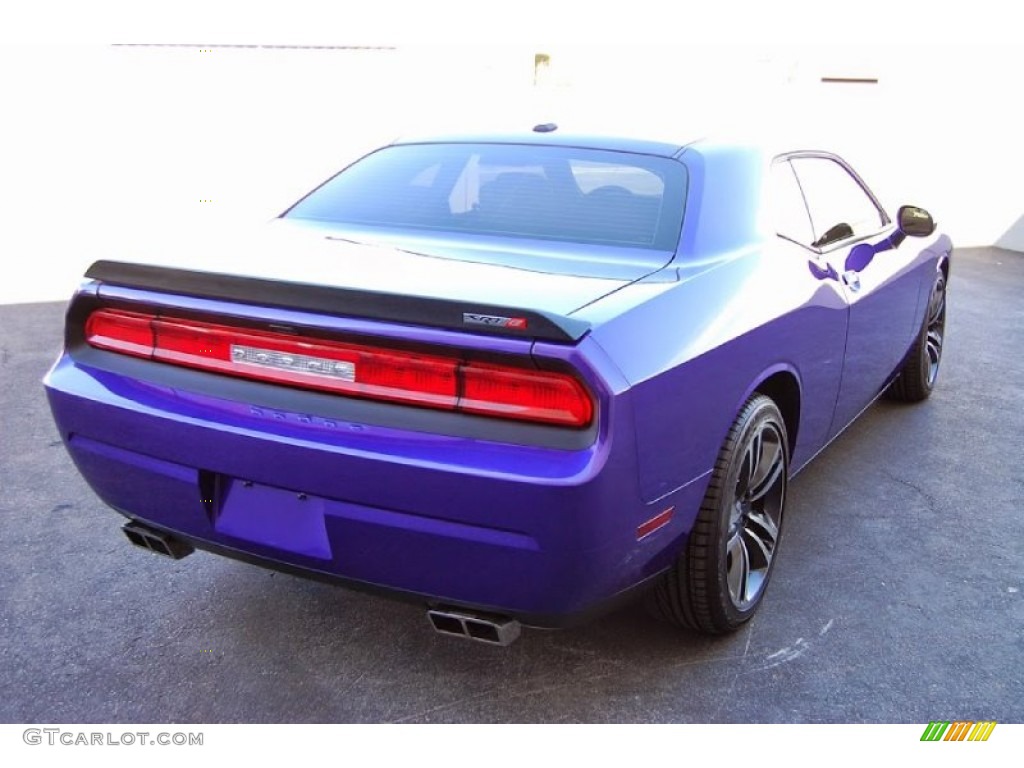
312	363
126	332
358	370
512	393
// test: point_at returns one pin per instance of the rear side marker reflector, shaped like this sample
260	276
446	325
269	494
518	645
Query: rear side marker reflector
656	522
357	370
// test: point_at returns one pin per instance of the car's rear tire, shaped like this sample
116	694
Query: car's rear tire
917	377
720	578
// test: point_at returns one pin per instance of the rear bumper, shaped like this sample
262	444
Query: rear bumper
546	535
536	620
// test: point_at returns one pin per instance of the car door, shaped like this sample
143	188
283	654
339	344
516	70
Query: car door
882	291
818	348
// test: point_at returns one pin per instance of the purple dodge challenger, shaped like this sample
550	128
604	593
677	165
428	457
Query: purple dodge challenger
517	378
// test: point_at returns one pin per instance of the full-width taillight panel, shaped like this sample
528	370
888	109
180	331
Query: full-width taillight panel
358	370
312	363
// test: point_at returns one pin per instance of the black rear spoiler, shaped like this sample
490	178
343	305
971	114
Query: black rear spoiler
344	302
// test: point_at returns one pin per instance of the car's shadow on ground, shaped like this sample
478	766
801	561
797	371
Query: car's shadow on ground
406	671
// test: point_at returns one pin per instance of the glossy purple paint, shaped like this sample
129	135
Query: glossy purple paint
514	526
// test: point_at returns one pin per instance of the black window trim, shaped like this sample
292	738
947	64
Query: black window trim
783	160
847	241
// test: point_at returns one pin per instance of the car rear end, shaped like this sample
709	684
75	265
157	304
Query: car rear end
476	470
434	425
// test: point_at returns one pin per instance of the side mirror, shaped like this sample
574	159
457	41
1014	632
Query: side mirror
911	221
915	222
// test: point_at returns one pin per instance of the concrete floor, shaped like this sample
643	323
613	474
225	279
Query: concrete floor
897	596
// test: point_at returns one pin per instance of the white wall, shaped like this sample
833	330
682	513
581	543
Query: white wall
112	152
937	130
120	152
1013	238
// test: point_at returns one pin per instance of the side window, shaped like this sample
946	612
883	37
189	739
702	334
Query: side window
786	205
838	204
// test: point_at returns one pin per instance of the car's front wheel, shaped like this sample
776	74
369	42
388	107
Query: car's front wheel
921	369
720	578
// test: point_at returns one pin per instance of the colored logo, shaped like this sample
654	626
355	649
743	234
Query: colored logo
496	321
961	730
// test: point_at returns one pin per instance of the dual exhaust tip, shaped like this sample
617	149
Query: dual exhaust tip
157	541
482	627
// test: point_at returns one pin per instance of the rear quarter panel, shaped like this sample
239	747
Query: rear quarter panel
696	350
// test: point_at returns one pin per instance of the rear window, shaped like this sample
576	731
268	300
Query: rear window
509	190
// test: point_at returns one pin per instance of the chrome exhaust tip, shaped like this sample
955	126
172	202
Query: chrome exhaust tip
481	627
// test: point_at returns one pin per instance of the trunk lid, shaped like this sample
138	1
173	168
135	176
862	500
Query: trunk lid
483	288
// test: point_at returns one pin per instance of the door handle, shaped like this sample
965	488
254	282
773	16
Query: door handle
852	280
